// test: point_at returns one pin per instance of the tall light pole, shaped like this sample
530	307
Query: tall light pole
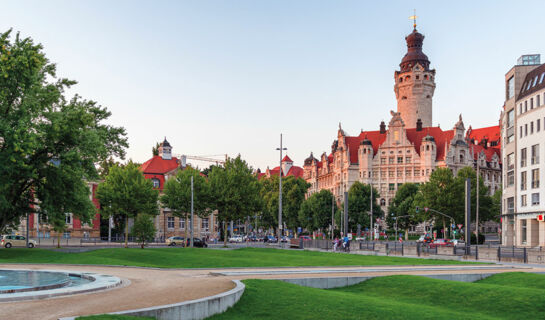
477	206
280	192
192	223
371	204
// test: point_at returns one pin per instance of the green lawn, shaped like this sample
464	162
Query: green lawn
206	258
502	296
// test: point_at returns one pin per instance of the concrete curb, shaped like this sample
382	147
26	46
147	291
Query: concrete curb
99	282
337	282
189	310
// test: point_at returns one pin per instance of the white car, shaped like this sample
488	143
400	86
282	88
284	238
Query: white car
236	239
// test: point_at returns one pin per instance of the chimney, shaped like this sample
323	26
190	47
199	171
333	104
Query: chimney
382	127
419	125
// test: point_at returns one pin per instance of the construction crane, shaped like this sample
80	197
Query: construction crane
183	158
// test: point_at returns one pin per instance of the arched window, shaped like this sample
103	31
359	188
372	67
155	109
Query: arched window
156	182
400	79
382	202
427	148
461	158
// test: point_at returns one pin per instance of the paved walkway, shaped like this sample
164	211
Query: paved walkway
150	287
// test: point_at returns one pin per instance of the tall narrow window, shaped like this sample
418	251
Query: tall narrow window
535	178
523	180
535	154
532	127
523	157
538	125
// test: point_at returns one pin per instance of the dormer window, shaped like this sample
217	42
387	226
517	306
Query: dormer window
156	183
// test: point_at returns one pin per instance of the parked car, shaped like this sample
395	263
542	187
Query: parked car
441	243
305	238
425	238
285	239
16	241
197	242
175	241
236	238
270	238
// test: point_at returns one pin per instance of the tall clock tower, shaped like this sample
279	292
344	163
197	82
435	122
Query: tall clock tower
415	84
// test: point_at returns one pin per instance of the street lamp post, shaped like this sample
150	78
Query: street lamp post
280	192
192	223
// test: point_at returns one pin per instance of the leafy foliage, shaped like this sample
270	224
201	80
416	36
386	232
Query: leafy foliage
358	205
177	195
45	138
402	205
125	192
234	191
143	229
315	212
293	195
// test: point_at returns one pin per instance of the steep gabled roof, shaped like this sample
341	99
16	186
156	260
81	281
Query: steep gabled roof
488	152
287	159
158	165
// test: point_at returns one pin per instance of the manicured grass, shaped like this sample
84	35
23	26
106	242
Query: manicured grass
206	258
113	317
395	297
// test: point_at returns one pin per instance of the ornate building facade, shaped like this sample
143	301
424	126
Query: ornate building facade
409	149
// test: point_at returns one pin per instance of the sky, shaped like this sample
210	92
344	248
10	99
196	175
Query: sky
228	77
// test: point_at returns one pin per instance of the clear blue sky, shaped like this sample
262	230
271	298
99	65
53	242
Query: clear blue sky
220	77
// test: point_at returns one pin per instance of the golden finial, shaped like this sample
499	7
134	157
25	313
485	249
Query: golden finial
413	18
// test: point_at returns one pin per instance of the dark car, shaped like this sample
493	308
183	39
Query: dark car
197	243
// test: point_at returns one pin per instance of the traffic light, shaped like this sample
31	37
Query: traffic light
417	209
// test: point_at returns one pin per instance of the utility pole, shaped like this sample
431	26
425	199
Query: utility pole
468	216
371	205
345	213
332	216
477	206
280	192
192	223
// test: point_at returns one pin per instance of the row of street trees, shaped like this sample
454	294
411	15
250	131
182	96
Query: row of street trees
445	193
232	190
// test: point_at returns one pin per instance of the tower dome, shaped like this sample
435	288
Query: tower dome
414	53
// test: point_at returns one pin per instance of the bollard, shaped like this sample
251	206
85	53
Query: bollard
418	249
402	249
499	253
387	251
454	250
477	253
525	256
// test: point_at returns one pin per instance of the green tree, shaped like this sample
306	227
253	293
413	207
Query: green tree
402	205
143	229
234	191
155	150
496	206
315	212
177	195
41	128
440	193
358	205
485	200
126	192
293	194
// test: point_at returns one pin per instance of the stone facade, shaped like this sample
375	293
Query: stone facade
409	149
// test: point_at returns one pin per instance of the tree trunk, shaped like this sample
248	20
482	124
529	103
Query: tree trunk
406	234
225	234
444	229
126	231
58	240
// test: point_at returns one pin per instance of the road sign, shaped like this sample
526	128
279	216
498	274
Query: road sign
453	226
540	217
426	209
460	226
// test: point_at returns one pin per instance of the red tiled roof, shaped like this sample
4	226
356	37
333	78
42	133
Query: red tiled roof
294	171
490	133
415	137
488	152
286	159
159	165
